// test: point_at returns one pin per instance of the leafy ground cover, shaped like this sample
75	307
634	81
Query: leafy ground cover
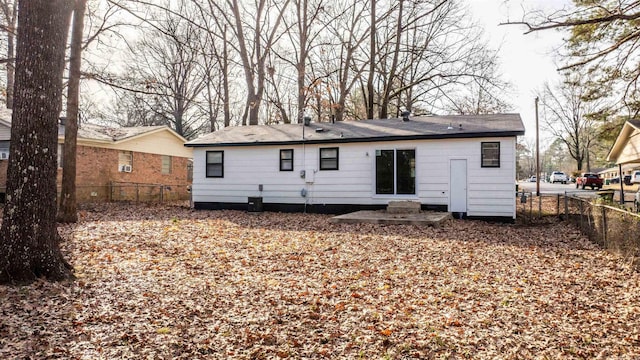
169	282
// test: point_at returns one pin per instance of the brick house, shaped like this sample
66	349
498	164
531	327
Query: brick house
131	163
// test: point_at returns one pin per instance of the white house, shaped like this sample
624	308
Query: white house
464	164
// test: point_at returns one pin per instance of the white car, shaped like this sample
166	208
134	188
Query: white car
558	176
635	177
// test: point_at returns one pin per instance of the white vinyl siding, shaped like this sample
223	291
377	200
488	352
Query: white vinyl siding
491	191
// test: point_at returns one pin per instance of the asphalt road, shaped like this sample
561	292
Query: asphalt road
548	188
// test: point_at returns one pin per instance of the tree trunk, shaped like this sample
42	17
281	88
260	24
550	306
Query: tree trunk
68	205
29	239
225	80
386	97
372	64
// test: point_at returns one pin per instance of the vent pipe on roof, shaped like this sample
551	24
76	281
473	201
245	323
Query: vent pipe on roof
307	120
405	115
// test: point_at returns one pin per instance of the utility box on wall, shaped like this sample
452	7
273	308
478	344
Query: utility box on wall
254	204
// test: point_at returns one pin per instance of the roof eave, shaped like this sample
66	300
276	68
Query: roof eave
366	139
621	140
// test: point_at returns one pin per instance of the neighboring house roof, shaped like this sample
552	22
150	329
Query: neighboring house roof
420	127
626	167
626	148
116	134
150	139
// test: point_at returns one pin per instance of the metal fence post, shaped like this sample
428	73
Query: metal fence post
531	208
604	226
558	205
137	193
581	216
539	206
566	206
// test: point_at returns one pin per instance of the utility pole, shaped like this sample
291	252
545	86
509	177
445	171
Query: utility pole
537	152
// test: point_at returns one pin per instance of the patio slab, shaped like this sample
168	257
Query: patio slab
427	218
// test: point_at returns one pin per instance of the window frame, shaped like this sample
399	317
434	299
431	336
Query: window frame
337	158
207	163
395	172
162	164
125	154
485	161
282	151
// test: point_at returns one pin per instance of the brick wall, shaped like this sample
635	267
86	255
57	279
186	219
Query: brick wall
99	166
99	178
97	172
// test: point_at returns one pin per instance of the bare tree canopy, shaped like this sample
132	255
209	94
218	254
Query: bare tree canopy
603	41
572	118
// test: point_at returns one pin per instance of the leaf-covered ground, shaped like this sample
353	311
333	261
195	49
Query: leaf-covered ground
170	282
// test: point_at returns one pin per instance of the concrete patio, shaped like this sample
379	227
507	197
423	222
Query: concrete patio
427	218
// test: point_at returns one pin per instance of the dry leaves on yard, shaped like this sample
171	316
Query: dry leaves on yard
170	282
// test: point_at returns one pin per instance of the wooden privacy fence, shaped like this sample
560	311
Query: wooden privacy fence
132	192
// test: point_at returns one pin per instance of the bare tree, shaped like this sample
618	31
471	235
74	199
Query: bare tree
339	67
571	118
305	27
29	239
603	40
167	61
484	93
253	44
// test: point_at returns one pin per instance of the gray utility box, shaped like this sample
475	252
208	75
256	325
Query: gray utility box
254	204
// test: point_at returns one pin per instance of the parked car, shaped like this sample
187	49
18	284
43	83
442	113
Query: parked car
532	179
635	177
591	180
558	176
614	180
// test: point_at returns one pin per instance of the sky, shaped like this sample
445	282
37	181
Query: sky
527	60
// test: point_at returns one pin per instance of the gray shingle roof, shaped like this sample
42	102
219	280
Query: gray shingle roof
105	133
635	123
94	132
420	127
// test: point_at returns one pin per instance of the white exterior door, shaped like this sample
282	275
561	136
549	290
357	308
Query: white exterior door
458	184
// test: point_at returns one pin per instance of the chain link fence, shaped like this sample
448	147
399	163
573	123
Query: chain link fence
614	226
133	192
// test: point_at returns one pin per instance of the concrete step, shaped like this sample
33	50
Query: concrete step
403	207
